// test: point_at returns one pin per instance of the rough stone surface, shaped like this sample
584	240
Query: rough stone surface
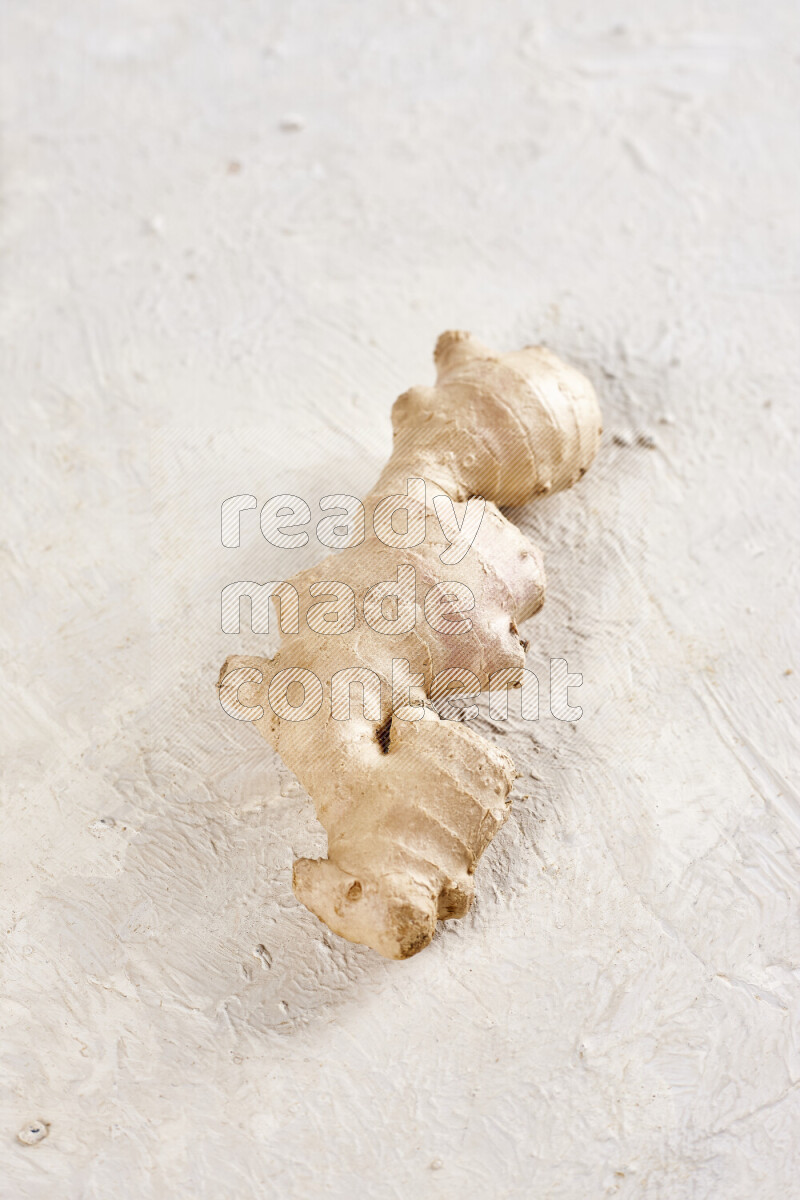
230	237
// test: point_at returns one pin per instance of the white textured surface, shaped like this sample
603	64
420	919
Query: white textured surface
231	235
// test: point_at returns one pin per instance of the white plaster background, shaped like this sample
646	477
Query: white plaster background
200	298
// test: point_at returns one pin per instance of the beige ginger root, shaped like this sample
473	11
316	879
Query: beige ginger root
409	805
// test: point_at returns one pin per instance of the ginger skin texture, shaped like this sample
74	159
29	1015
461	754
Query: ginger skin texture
409	805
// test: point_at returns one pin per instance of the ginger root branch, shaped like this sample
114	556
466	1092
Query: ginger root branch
409	805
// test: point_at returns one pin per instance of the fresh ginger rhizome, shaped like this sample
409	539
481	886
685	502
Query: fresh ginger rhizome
431	600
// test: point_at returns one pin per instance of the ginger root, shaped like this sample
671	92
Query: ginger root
410	801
